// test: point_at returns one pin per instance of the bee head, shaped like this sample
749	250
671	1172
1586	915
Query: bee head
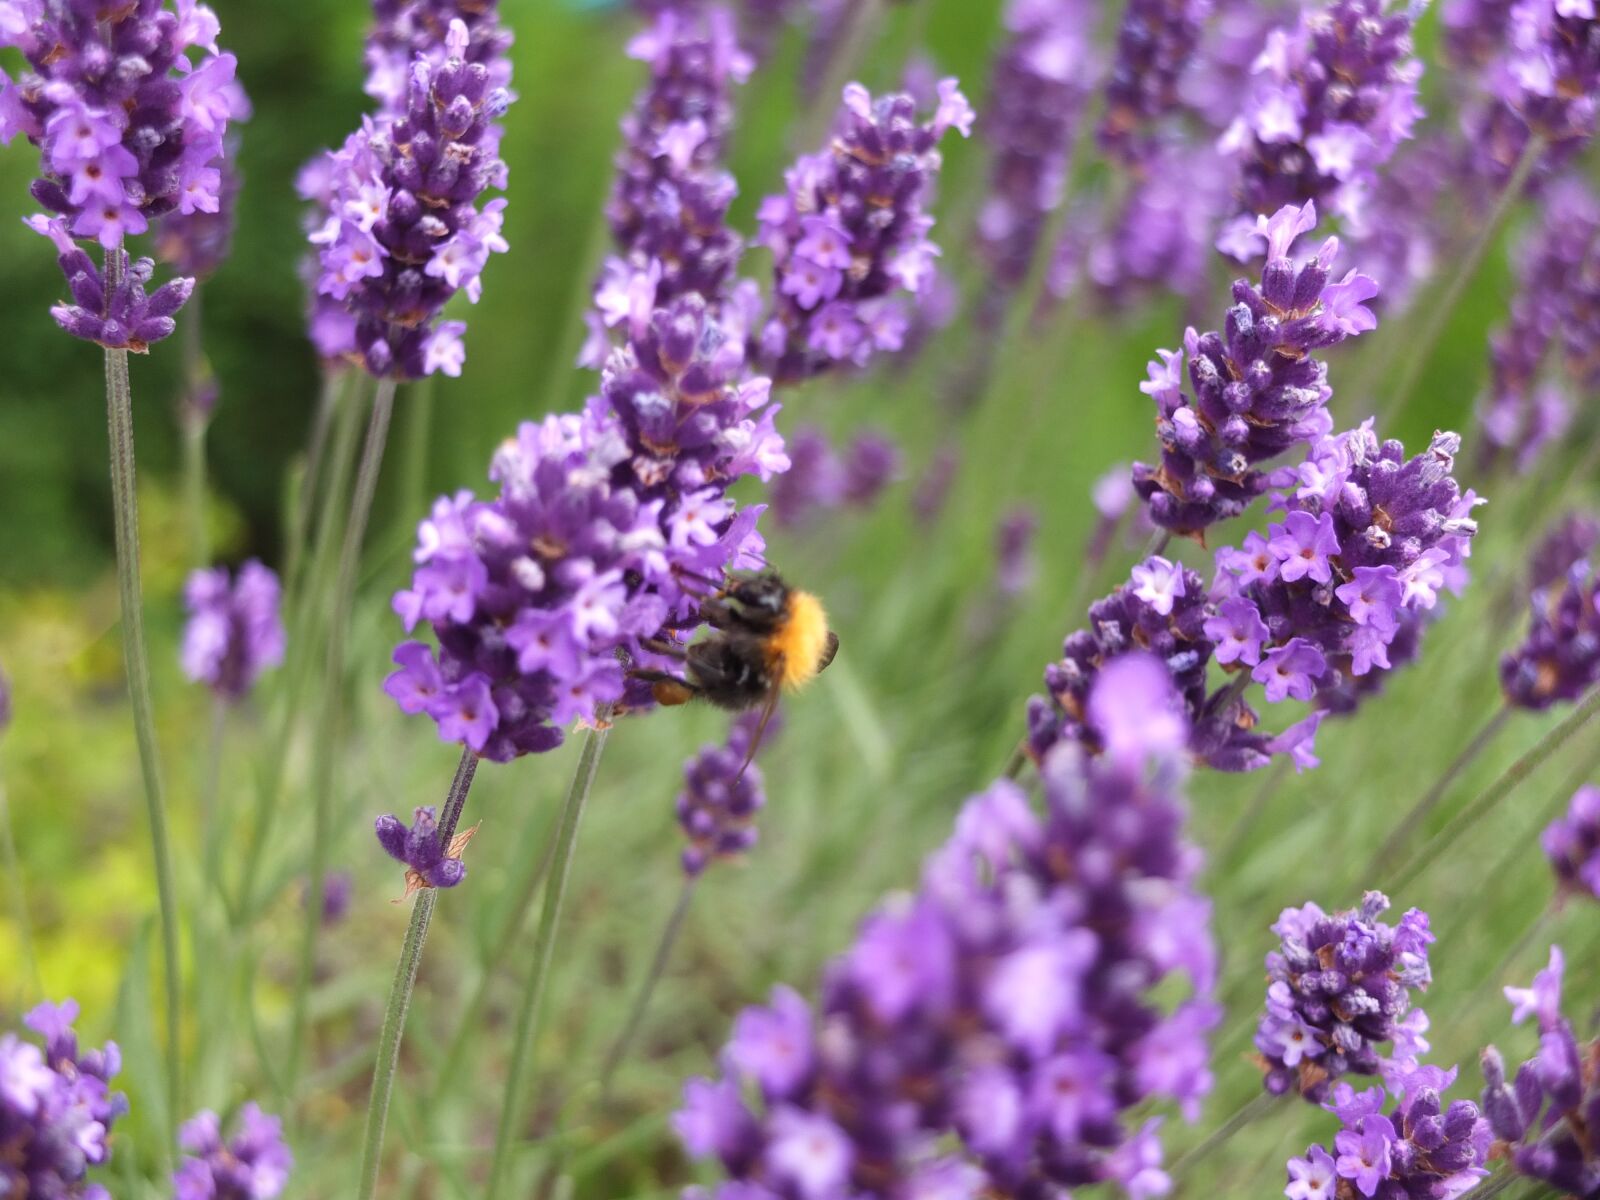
758	597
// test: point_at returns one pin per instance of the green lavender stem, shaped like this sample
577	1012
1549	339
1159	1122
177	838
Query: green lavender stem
1419	352
303	503
125	506
211	836
332	721
1255	1108
1434	850
405	982
658	966
511	1107
1401	834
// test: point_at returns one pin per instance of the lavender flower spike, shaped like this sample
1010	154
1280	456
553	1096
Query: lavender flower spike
721	797
1330	102
1419	1148
1041	81
1156	40
1539	1116
234	630
850	235
56	1108
1257	389
130	128
1572	844
1340	986
1559	660
252	1165
401	231
403	30
1001	1030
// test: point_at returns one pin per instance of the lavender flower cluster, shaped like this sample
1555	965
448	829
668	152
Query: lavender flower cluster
1258	391
1419	1149
1340	987
1550	69
669	201
234	630
130	128
601	519
1556	287
1559	660
1572	844
400	229
56	1108
821	479
1331	100
1542	1117
1155	42
850	234
1041	83
721	797
404	30
999	1029
254	1164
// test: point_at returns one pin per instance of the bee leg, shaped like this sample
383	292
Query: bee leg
668	690
665	648
718	613
830	650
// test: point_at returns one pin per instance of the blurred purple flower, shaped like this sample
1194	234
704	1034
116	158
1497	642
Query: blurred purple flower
234	630
721	797
1572	844
252	1165
1156	40
1559	659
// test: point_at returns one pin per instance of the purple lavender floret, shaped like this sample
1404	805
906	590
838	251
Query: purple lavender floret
1156	41
1258	391
197	243
721	797
821	479
1420	1150
401	231
234	631
1161	611
1572	844
1042	77
1330	101
1339	987
403	30
428	861
1556	285
254	1164
1550	71
1367	542
1005	1029
129	128
56	1108
1559	660
1543	1116
1016	562
1570	541
1474	30
669	204
603	521
850	234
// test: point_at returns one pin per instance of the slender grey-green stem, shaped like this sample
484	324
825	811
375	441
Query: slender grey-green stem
331	725
302	637
405	982
1429	800
1434	850
414	454
1253	1109
1159	541
863	31
1418	352
210	781
532	1003
658	965
125	506
19	894
304	501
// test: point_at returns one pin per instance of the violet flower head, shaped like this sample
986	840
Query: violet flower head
1330	100
821	479
56	1108
602	522
721	797
1570	541
1155	42
130	127
1572	844
850	234
404	30
1339	987
1257	389
669	203
197	243
234	631
1559	659
337	889
1042	76
1017	562
1367	542
1550	70
1002	1029
1540	1114
1556	287
428	861
254	1164
1420	1148
400	229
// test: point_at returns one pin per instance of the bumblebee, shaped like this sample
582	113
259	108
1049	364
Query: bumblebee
768	638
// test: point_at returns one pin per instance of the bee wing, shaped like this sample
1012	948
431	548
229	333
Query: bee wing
767	709
830	650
